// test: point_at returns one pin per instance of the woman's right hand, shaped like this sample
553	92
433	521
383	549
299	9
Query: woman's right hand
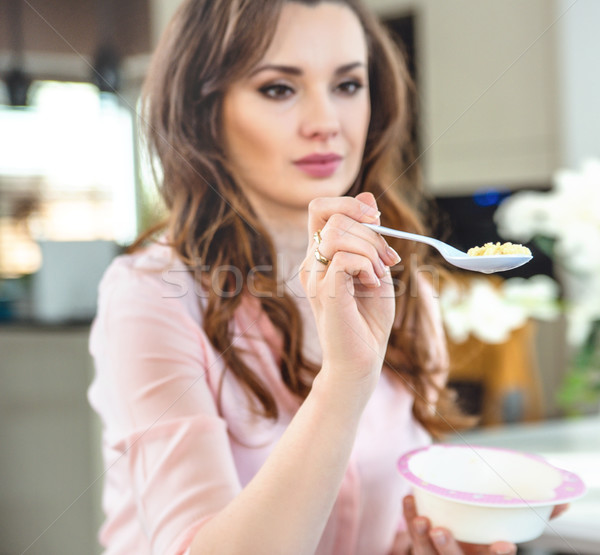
352	297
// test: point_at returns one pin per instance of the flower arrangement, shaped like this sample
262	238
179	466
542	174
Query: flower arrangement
565	223
490	311
488	325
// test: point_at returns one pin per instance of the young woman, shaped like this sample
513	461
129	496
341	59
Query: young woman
264	363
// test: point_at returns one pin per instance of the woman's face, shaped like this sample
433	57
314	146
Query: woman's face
296	126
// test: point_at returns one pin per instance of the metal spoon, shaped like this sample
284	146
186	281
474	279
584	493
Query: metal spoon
486	264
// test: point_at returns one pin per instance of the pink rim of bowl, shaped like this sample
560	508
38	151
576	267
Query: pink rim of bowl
570	488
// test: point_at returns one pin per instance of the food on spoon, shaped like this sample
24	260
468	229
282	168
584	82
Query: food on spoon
497	248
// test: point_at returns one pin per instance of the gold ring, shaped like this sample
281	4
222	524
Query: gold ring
320	258
317	237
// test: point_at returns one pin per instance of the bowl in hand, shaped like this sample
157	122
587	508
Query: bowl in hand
485	494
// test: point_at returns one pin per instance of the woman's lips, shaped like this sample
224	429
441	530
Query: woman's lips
319	165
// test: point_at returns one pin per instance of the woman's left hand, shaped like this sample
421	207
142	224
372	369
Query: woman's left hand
422	539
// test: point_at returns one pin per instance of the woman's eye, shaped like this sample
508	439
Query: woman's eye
350	87
276	91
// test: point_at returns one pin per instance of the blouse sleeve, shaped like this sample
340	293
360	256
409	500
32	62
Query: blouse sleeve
160	420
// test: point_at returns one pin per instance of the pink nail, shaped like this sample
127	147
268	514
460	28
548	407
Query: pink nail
393	254
438	537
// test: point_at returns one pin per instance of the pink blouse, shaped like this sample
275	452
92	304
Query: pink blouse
173	458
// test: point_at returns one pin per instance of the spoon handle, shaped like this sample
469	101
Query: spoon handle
403	234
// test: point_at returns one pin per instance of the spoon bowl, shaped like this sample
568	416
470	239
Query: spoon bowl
488	264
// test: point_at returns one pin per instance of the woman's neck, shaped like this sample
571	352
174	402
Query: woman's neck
289	235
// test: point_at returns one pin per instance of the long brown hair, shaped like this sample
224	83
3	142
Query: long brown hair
207	46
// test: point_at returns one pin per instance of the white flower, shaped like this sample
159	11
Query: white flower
478	311
579	247
569	214
519	216
492	318
580	320
491	313
538	295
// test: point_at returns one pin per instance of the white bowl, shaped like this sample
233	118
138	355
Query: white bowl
486	494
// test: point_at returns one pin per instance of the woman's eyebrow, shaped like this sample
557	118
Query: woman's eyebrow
293	70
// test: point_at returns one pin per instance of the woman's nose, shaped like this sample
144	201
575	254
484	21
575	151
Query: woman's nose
320	117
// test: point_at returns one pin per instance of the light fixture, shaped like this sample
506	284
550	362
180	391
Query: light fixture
17	81
106	73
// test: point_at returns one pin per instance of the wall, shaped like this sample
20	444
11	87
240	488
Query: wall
50	469
579	80
488	94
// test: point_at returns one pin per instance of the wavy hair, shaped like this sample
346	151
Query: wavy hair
207	46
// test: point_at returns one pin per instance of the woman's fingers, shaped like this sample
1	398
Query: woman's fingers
335	223
343	234
346	265
402	544
418	528
559	510
440	541
503	548
321	209
446	544
410	509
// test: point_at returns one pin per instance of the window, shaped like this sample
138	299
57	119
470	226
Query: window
67	172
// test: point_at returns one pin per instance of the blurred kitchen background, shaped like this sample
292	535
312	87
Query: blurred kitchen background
508	112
